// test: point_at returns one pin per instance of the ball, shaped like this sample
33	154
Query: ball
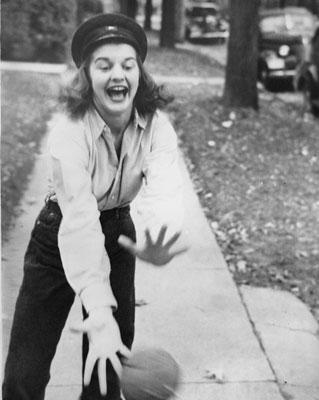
150	374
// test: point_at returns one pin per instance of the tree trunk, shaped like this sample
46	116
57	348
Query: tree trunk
241	70
129	7
282	3
180	21
167	35
314	6
148	11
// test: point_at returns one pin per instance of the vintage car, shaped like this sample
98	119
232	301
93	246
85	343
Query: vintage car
307	77
284	41
204	21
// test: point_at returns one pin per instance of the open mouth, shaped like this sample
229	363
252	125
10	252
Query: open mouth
117	93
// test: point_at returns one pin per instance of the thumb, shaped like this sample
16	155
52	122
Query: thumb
127	243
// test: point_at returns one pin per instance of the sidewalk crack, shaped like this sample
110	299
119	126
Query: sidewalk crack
276	380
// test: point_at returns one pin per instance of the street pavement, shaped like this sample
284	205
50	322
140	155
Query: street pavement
231	343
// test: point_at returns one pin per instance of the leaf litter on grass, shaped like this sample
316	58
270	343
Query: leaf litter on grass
27	102
258	181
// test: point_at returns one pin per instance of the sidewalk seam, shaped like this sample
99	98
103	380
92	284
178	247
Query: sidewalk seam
212	382
276	380
307	331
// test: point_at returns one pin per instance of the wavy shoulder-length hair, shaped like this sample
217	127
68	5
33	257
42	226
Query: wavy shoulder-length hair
77	95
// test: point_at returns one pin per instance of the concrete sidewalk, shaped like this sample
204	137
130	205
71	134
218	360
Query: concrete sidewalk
252	344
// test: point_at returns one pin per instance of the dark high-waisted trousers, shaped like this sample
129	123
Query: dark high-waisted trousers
45	299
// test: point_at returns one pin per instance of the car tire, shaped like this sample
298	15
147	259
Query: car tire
264	77
187	34
308	95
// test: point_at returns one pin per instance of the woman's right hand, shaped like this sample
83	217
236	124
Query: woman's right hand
104	344
157	252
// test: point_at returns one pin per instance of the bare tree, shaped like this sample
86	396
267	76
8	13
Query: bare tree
241	70
129	7
315	6
179	20
148	11
167	35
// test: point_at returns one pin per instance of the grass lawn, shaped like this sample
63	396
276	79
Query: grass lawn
27	101
181	63
256	175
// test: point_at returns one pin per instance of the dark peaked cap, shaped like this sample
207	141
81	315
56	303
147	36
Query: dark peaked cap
107	27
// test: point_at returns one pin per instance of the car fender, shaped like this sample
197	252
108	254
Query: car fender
262	65
306	72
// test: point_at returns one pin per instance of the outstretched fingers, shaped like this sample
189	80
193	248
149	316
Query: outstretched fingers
89	365
179	251
161	235
116	364
148	237
172	240
102	375
124	351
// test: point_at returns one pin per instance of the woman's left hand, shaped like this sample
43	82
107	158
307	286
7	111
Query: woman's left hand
154	252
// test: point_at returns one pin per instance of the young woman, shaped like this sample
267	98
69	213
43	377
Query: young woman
110	138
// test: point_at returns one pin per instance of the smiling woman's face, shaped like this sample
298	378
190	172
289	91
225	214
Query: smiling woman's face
114	74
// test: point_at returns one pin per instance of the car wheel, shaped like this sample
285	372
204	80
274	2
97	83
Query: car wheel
306	99
187	34
308	96
264	77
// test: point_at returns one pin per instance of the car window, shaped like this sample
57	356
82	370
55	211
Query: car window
273	24
300	23
202	12
295	23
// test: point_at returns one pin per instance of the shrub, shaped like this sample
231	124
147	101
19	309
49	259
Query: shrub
16	43
51	24
88	8
37	30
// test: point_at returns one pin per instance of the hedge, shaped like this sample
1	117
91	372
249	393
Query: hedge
37	30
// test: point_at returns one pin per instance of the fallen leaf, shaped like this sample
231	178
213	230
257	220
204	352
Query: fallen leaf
232	115
241	266
305	151
140	303
31	200
217	375
227	124
214	225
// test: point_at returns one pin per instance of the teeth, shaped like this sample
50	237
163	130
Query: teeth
117	90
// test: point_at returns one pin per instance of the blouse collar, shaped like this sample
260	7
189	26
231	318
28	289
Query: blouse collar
98	125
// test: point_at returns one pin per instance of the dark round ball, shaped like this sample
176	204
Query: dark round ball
150	374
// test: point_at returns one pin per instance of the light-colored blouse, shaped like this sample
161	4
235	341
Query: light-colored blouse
87	177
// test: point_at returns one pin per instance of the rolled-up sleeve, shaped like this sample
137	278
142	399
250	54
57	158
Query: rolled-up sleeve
80	237
162	200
